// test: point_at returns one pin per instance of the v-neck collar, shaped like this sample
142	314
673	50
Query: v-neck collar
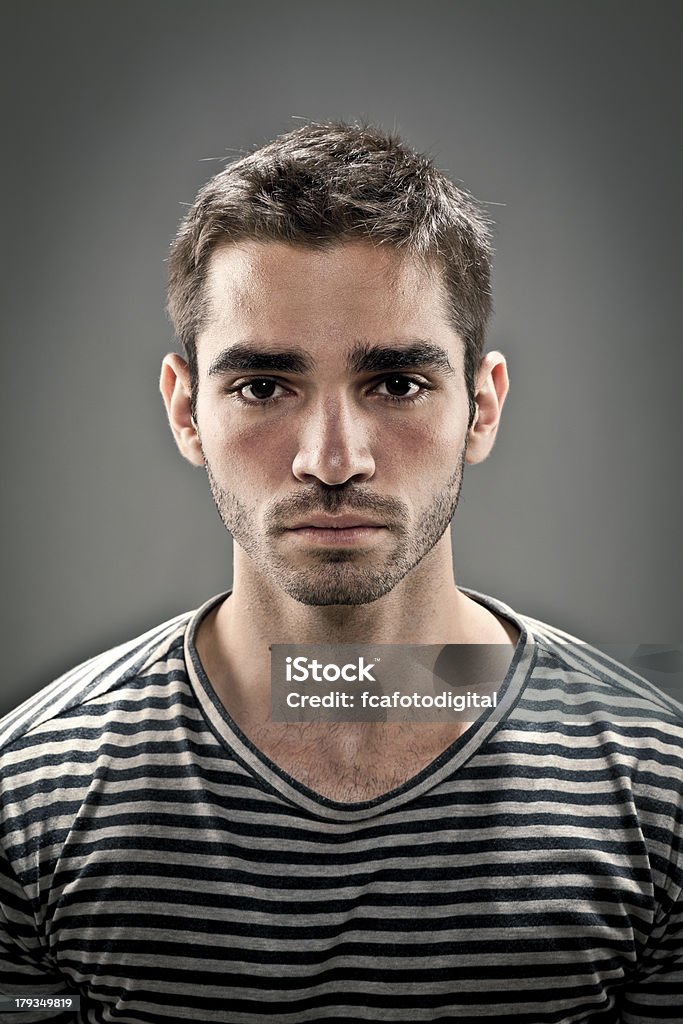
296	793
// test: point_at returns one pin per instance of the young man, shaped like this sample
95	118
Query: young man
170	852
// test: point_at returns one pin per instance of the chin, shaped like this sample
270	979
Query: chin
339	600
332	586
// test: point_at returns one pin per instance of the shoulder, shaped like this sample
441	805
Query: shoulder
80	691
615	732
603	722
91	730
583	669
569	666
590	713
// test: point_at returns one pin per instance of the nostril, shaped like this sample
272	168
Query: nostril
333	466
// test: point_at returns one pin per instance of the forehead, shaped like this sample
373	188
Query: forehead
349	292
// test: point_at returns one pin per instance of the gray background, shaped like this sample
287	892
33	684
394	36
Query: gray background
563	114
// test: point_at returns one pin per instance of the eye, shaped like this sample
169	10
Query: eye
398	387
260	388
258	391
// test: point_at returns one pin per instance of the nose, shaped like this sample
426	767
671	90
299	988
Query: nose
333	445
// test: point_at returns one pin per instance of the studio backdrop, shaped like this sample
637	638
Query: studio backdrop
562	117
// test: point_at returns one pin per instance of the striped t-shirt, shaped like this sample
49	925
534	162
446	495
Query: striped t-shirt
156	864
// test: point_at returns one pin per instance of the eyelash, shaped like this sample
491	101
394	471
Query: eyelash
236	391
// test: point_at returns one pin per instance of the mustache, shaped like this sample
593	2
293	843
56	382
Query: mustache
335	500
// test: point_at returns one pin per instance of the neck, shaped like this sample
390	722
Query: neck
426	607
233	643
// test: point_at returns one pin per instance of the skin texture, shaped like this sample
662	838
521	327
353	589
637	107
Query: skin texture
341	434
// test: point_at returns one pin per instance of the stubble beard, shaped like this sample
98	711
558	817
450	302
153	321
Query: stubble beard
339	575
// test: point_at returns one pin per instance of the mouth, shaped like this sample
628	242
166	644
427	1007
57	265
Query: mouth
338	531
344	522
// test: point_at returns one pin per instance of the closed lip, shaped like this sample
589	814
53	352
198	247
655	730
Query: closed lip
347	522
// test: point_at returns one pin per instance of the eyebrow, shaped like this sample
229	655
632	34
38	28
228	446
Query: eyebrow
368	358
239	358
363	358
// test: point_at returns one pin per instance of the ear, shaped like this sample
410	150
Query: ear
490	392
177	394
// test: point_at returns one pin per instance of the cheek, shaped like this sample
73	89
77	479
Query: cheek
245	450
424	444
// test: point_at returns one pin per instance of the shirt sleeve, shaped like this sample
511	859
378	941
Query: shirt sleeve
24	970
655	992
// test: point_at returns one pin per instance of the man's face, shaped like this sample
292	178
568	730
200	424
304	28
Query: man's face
332	414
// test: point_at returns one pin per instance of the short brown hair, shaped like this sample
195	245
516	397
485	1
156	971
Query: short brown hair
332	182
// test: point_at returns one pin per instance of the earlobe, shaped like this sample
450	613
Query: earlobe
176	390
491	391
